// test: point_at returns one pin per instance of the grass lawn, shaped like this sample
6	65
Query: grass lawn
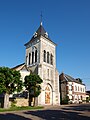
20	108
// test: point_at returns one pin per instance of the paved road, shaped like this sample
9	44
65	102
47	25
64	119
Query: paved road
68	112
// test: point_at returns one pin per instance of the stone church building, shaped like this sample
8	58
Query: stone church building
40	58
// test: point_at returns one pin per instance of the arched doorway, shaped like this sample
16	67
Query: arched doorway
48	95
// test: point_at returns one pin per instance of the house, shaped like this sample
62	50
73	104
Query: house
72	88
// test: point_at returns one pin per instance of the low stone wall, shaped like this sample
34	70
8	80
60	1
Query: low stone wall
21	102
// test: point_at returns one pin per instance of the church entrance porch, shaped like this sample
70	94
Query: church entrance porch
48	95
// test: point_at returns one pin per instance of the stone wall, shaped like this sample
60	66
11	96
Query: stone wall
21	102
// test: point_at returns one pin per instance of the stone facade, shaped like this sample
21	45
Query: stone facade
41	59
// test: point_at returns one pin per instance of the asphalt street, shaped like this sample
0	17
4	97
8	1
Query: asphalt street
63	112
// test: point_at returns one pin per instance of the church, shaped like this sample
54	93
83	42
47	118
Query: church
40	58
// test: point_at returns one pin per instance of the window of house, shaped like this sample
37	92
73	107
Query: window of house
75	88
47	57
44	56
78	88
81	89
70	87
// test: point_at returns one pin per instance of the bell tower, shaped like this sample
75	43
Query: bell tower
41	59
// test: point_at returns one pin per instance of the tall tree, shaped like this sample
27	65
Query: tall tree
32	84
9	83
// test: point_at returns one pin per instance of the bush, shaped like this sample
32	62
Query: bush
13	103
65	100
87	99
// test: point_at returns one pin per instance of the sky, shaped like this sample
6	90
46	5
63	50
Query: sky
67	23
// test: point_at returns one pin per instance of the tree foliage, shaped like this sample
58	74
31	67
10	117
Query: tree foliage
32	84
10	80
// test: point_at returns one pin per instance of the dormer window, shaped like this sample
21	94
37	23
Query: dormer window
35	34
46	35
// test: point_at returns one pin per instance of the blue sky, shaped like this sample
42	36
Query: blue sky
66	21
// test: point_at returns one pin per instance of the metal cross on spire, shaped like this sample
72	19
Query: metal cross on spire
41	18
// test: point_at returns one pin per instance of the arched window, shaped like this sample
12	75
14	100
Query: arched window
32	57
48	73
26	60
29	58
44	56
47	57
35	55
51	59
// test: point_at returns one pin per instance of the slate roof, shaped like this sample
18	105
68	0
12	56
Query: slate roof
20	65
70	79
40	32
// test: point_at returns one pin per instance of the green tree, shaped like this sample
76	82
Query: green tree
32	84
9	83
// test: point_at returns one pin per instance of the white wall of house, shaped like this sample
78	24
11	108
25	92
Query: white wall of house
76	92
